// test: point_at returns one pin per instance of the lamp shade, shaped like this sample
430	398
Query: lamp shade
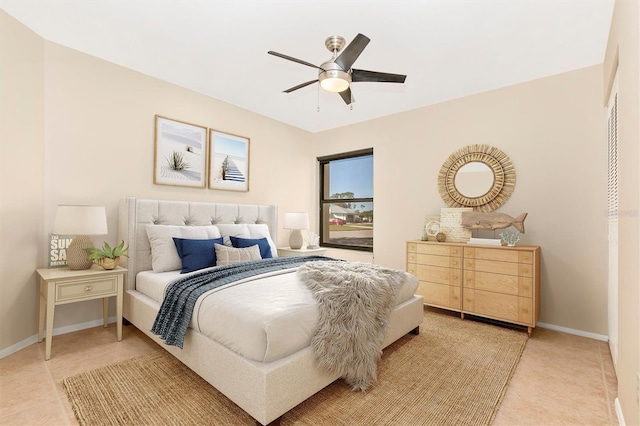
296	221
80	220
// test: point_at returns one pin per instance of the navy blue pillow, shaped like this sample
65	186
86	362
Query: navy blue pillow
196	254
263	245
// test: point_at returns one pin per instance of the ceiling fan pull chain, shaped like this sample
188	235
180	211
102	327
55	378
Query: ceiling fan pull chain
318	98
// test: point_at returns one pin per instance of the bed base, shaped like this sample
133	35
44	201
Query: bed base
264	390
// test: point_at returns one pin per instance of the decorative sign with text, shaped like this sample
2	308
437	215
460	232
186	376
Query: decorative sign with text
58	245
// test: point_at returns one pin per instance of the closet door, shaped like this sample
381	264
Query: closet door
612	214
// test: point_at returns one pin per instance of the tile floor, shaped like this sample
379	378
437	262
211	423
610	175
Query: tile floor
561	379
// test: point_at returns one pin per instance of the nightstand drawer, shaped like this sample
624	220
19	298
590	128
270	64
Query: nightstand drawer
86	288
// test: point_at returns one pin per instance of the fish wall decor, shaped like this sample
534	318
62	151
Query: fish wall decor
479	220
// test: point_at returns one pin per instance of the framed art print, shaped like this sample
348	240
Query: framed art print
228	161
180	156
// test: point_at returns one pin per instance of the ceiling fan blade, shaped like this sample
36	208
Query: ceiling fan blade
352	51
374	76
289	58
347	97
300	86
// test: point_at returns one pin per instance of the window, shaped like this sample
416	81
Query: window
346	200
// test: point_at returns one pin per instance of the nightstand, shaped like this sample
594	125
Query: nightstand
288	251
61	286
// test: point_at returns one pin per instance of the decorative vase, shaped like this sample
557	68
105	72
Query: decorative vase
107	263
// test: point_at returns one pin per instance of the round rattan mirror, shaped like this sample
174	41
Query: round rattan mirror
477	176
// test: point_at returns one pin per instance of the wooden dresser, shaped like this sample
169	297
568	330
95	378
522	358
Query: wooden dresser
501	283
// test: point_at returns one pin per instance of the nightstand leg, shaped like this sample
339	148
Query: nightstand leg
119	300
105	311
43	306
50	312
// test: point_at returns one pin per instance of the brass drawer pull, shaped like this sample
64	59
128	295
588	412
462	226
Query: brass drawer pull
88	288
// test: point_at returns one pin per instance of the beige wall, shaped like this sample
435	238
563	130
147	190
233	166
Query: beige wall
21	177
553	129
623	55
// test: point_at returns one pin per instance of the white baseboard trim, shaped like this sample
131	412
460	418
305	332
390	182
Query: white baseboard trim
20	345
601	337
56	331
619	413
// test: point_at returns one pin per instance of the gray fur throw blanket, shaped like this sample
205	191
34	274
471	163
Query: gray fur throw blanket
355	301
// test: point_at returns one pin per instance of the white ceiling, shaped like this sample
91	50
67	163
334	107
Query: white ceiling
447	48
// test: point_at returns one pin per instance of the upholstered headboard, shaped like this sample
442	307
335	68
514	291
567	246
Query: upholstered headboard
136	214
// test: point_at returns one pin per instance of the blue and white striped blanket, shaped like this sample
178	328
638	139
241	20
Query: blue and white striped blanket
175	313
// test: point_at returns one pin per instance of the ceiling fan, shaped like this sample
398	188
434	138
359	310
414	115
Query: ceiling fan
336	74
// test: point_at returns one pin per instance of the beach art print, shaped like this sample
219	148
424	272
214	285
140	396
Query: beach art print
180	155
228	161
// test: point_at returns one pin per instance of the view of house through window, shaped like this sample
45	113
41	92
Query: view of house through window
346	200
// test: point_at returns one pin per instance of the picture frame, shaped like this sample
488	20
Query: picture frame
58	245
180	153
228	161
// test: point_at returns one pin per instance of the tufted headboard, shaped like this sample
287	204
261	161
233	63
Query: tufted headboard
136	214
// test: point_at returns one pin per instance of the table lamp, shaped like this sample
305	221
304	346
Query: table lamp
80	221
296	222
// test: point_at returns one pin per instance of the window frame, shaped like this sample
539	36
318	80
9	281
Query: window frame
322	202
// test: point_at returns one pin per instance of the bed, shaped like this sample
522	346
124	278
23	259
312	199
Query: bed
266	387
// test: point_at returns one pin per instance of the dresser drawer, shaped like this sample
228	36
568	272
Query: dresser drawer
508	268
500	255
498	283
435	260
439	249
499	306
440	295
436	274
86	288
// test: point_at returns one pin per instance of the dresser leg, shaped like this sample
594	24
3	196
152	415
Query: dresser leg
529	329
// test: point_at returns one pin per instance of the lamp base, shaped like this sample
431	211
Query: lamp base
295	239
77	254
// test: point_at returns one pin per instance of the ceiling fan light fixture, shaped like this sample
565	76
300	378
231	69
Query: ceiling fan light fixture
334	81
337	74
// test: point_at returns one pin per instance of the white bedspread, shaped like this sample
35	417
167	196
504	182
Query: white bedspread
263	318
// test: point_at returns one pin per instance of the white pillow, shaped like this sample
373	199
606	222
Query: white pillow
164	255
261	230
239	230
228	255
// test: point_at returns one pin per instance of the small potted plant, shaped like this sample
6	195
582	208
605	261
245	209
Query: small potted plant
108	257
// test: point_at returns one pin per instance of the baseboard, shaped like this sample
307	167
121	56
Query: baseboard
601	337
20	345
619	413
56	331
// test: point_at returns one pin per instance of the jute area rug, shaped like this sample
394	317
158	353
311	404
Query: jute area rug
454	373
